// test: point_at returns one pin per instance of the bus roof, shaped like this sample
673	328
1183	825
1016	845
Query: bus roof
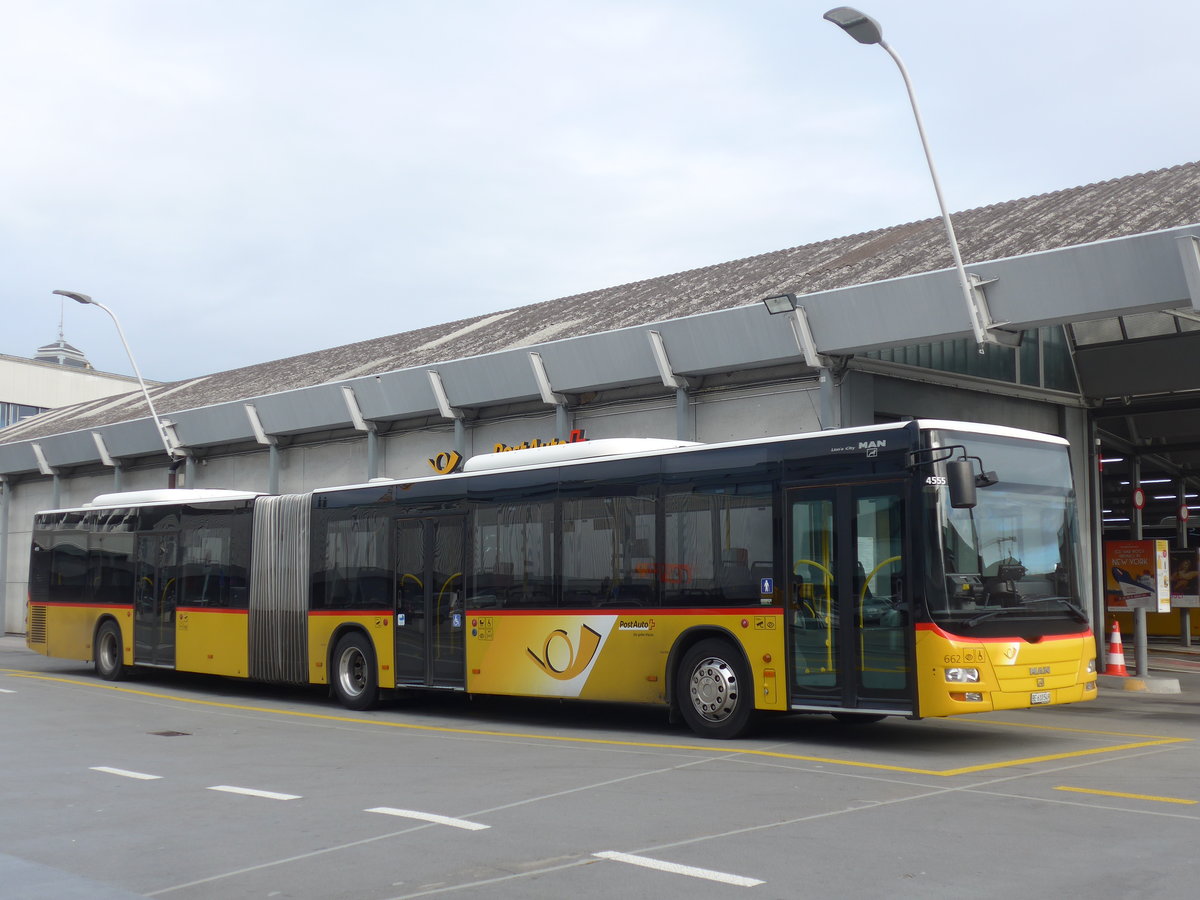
995	430
159	497
558	454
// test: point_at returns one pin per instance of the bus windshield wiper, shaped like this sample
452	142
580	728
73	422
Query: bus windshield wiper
1075	611
1072	607
975	620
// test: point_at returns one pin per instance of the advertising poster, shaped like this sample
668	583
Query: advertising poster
1137	574
1185	583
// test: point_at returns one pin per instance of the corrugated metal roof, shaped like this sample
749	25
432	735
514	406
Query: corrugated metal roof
1135	204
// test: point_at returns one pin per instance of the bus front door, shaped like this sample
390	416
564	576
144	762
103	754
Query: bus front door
847	605
429	602
155	592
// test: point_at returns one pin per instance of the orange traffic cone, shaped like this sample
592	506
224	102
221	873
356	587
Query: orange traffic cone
1115	664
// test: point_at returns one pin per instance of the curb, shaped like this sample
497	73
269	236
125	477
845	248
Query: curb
1143	685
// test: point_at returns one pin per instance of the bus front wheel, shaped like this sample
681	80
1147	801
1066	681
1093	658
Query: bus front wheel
355	676
714	690
109	655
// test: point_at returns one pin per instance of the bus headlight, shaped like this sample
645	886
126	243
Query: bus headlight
1091	666
963	676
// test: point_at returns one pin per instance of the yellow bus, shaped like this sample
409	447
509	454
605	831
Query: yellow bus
916	569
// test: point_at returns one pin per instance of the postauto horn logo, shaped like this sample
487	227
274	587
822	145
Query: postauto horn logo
560	659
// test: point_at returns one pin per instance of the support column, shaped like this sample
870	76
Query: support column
551	397
562	421
5	490
270	442
360	423
829	405
670	379
806	342
273	467
1181	542
372	453
1141	653
453	413
1096	557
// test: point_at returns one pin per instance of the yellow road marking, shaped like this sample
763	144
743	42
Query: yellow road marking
972	720
1151	740
1129	796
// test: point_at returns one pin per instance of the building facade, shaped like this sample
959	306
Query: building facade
1092	294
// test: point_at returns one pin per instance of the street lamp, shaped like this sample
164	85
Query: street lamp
866	30
162	431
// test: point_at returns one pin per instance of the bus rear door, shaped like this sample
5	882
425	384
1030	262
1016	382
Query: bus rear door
155	595
847	605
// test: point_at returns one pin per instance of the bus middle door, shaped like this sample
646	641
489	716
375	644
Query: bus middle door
430	648
847	607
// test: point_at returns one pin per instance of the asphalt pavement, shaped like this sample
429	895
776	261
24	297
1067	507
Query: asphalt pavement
189	787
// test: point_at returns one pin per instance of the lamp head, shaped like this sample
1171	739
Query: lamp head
76	296
783	303
858	25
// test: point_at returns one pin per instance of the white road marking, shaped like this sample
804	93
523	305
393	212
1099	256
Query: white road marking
6	691
250	792
125	773
676	869
428	817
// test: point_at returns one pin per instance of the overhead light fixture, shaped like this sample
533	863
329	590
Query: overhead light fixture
783	303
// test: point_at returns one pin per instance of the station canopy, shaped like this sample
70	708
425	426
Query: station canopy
1113	268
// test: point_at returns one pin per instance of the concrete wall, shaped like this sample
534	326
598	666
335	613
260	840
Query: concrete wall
896	397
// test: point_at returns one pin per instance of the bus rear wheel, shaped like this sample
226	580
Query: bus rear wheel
713	689
108	652
355	675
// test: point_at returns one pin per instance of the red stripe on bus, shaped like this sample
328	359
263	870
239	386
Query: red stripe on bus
630	611
351	612
69	604
213	609
941	632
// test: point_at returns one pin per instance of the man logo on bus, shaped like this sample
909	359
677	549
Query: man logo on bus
559	658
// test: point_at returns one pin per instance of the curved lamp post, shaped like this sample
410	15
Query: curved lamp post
866	30
172	452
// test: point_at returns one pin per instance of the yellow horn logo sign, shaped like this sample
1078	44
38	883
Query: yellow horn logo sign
559	658
446	462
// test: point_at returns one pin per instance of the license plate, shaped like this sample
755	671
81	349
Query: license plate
1039	697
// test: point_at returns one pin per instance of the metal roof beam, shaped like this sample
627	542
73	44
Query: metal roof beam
1189	254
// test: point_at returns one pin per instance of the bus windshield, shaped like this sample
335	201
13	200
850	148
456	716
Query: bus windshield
1006	566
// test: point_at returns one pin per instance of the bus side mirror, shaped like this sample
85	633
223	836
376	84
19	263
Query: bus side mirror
960	478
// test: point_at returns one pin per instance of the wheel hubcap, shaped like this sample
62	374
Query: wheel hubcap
714	689
108	652
352	672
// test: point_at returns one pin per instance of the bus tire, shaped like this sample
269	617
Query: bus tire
109	653
714	690
355	674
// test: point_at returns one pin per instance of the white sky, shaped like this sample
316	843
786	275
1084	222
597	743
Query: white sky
243	180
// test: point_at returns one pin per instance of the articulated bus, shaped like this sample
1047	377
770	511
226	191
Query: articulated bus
916	569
